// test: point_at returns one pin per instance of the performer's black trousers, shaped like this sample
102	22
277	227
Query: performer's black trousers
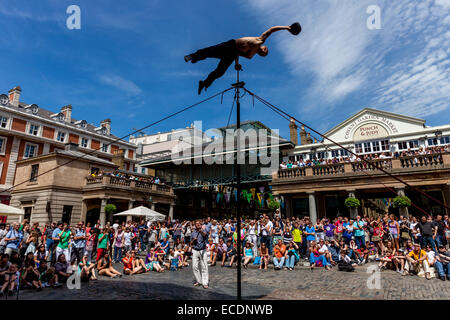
225	51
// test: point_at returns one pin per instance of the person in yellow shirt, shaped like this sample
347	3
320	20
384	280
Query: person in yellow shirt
417	259
297	236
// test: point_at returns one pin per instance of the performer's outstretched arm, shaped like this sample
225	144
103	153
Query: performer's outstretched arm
266	34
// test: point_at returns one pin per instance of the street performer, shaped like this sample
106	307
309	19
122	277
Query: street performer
231	50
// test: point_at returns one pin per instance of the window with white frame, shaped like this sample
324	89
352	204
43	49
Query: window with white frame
30	150
61	136
3	122
432	142
384	145
402	145
445	140
372	146
2	145
34	129
105	147
84	142
358	148
413	144
375	146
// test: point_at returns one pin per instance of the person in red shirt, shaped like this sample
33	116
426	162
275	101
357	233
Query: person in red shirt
339	228
128	265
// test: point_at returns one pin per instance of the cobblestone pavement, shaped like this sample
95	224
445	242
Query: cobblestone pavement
300	284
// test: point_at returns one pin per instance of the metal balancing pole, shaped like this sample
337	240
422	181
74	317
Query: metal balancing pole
237	87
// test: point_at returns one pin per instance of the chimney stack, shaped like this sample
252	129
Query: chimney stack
14	96
71	146
293	131
106	124
303	136
309	140
67	111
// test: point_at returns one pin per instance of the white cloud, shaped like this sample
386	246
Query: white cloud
404	67
122	84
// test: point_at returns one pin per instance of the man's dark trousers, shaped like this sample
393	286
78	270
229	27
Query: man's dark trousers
225	51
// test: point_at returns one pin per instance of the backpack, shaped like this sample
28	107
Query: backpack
344	266
174	263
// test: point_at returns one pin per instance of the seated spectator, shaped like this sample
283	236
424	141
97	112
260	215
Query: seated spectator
388	256
4	267
211	251
160	254
248	254
264	254
151	261
30	275
316	259
61	267
47	275
231	253
417	259
221	252
86	269
129	266
105	268
292	256
443	263
279	255
344	262
11	280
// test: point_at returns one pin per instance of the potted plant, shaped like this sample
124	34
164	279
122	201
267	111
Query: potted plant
110	209
402	202
352	204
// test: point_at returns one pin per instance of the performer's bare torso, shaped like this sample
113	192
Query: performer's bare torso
248	46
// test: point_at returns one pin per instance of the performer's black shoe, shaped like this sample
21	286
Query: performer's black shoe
189	58
201	85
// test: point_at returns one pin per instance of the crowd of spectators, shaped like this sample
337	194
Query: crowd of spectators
35	257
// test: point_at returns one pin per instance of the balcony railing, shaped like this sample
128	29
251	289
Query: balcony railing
127	184
398	165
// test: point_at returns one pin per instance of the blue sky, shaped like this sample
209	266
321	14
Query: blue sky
126	62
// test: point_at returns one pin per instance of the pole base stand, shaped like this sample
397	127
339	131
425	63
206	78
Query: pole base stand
239	84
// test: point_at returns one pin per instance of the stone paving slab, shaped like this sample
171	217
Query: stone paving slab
300	284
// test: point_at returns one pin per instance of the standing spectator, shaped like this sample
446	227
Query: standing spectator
103	242
310	233
13	239
49	242
79	244
427	231
63	245
118	244
358	232
440	236
3	232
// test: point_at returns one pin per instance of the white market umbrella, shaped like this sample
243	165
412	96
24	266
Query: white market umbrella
143	212
6	210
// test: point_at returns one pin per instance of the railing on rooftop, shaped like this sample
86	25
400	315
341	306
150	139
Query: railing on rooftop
402	164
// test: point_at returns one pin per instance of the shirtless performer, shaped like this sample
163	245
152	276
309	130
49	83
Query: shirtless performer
230	51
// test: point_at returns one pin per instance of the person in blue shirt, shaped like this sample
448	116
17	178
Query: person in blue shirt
310	233
358	232
165	245
13	239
